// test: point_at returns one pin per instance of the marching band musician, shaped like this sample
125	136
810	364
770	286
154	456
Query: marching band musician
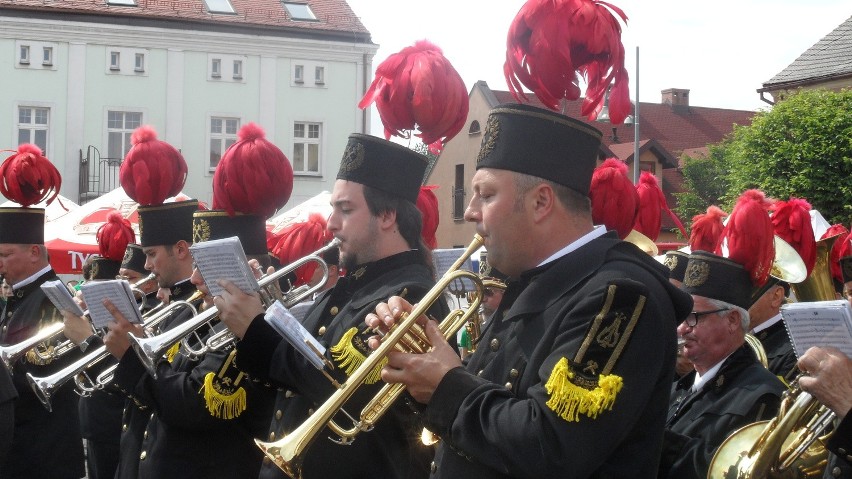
495	283
133	270
375	217
573	371
24	263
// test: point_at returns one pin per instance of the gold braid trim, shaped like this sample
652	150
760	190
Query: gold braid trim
569	400
172	352
349	358
223	404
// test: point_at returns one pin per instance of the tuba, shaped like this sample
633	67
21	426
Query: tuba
818	286
789	446
288	452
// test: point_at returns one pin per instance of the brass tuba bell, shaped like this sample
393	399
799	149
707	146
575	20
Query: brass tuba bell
818	286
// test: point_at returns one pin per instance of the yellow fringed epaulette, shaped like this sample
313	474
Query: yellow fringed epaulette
223	395
172	352
569	400
349	357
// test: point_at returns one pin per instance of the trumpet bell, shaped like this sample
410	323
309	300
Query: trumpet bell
644	243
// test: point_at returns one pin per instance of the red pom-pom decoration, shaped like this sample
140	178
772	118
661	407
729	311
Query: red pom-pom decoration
750	236
614	199
254	176
552	43
299	240
418	87
707	230
427	203
652	201
792	223
114	236
153	170
841	245
28	178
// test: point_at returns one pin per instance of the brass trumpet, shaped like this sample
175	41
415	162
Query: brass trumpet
791	445
288	452
150	350
44	387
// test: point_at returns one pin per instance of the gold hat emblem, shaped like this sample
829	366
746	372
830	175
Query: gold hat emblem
93	272
200	231
139	222
489	139
353	157
671	262
696	273
128	255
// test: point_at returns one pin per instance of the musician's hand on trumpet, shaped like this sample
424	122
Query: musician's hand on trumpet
77	328
828	377
236	308
420	373
117	341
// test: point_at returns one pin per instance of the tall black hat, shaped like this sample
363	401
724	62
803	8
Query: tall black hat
22	225
103	268
676	261
530	140
383	165
134	259
488	271
719	278
217	224
846	268
166	224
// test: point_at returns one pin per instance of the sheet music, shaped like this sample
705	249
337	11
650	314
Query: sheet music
223	259
59	295
116	290
282	321
819	323
443	259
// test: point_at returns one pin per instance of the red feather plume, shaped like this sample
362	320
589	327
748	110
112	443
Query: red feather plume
27	177
792	223
254	176
298	240
114	236
152	170
427	203
707	230
750	237
615	201
551	43
418	87
841	245
651	202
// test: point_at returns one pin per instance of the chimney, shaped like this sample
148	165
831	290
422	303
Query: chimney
678	98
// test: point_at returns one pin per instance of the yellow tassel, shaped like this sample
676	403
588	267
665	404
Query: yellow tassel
569	400
172	352
349	358
223	405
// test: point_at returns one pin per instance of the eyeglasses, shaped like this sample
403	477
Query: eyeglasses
488	292
693	317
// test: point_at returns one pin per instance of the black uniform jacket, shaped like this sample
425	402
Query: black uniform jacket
493	415
170	427
840	446
36	429
779	351
742	392
392	449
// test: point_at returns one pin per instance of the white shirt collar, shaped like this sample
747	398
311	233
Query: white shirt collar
597	232
768	323
702	379
32	278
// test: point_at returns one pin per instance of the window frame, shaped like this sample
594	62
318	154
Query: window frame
137	65
299	73
237	69
24	58
217	11
319	75
115	60
126	132
298	10
216	68
47	56
223	137
32	127
306	141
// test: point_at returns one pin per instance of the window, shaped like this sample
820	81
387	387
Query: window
120	126
319	75
306	147
126	3
139	64
475	129
223	133
238	69
299	74
219	6
458	194
216	68
47	56
114	61
24	55
33	124
299	11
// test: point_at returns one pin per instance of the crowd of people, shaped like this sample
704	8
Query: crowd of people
569	372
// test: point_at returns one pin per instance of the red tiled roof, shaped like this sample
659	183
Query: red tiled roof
332	15
675	129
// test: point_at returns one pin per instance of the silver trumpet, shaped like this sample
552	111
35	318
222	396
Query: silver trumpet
152	349
44	387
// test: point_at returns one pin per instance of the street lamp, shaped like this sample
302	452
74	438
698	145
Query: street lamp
603	116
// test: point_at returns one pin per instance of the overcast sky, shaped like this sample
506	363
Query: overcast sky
722	51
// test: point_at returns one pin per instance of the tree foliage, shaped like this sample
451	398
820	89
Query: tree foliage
802	147
705	182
